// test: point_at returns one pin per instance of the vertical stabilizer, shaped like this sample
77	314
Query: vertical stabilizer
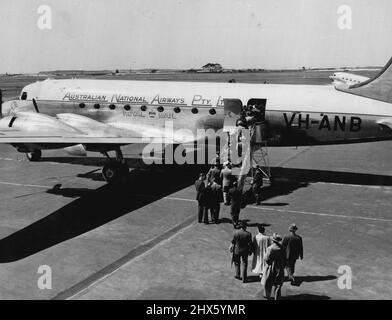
378	88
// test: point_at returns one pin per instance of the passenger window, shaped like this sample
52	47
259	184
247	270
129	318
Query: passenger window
127	107
195	110
143	108
177	109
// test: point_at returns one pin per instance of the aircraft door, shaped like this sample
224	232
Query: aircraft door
256	118
256	107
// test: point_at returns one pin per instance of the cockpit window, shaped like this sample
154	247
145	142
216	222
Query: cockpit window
23	96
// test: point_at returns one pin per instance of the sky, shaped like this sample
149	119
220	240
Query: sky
134	34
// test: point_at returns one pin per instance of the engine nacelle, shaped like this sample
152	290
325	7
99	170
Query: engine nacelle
78	150
36	122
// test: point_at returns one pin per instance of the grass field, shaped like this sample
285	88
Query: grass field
12	85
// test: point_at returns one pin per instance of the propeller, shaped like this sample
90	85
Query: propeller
35	105
1	103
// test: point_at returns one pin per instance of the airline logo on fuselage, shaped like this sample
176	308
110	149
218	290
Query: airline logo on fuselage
119	98
197	100
85	97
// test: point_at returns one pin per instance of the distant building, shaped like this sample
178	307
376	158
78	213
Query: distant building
212	67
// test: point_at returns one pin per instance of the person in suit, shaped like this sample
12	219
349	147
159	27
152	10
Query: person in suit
200	186
207	202
241	248
294	250
216	199
214	174
257	184
273	276
227	179
236	198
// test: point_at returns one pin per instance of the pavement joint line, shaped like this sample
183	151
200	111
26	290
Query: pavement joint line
322	214
24	185
300	212
110	269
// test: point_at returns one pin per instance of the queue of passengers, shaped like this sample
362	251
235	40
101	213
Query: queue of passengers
272	255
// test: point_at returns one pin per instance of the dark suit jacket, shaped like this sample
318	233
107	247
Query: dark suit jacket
293	246
217	195
199	184
258	178
242	242
236	197
214	174
205	197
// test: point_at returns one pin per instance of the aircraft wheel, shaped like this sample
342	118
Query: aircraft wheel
34	156
114	171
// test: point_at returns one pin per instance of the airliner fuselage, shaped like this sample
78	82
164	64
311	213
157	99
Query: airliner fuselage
295	114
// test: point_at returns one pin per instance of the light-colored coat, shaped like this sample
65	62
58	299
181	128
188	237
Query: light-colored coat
275	259
260	244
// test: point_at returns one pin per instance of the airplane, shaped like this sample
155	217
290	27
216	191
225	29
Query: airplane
104	115
349	79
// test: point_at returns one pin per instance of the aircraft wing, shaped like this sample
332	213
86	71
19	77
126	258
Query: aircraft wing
69	129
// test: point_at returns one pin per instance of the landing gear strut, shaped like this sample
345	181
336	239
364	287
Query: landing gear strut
34	156
115	170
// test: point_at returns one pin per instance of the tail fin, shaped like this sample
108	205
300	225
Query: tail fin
378	88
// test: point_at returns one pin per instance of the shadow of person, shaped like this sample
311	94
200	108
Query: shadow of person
305	296
93	209
253	278
300	279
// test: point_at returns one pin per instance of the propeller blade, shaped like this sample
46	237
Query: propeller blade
35	105
1	103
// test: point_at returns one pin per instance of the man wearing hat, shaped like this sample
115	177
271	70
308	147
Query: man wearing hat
200	186
274	272
241	248
294	250
257	184
236	197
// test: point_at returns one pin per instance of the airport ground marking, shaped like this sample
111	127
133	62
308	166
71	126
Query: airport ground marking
24	185
297	212
134	254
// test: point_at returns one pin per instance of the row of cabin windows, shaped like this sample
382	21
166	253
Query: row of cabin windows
127	107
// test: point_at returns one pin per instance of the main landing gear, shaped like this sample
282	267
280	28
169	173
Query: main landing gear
34	156
115	170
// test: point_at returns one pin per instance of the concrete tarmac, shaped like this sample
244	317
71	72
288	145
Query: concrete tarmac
142	241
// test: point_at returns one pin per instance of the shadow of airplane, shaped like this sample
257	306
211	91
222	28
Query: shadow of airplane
93	209
308	176
289	174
